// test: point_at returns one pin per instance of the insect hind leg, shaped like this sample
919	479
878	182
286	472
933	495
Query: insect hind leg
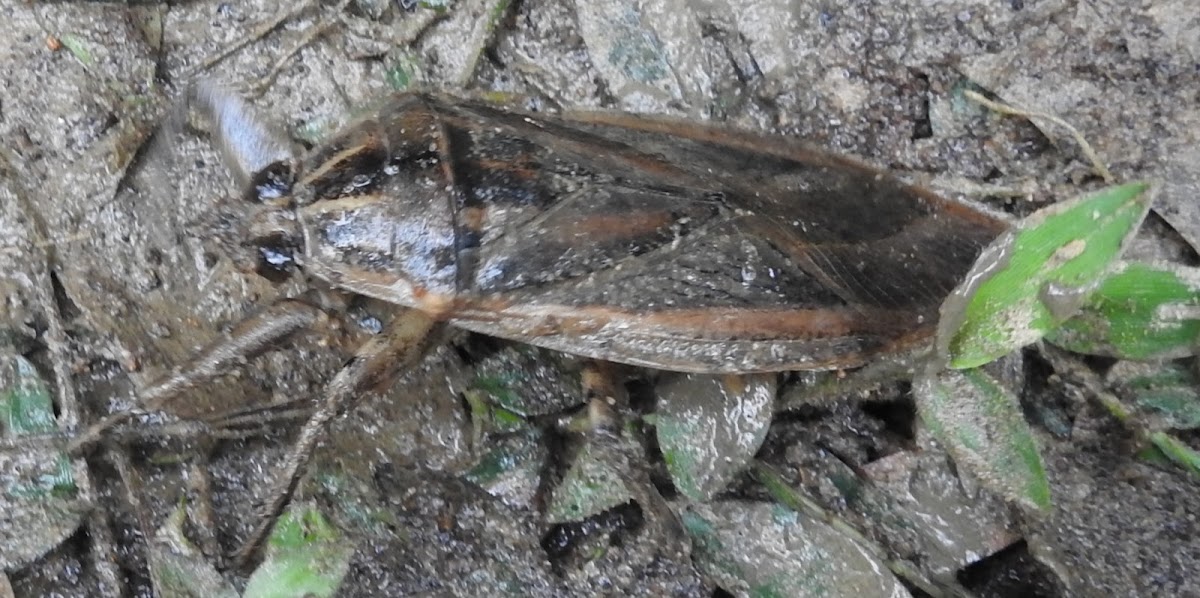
375	364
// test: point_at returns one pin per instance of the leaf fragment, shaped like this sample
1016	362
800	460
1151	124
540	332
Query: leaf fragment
39	506
512	468
74	44
305	556
709	427
178	568
767	550
591	486
981	425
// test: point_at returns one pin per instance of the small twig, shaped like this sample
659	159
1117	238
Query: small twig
16	249
253	414
261	419
260	86
262	31
239	425
1097	163
252	336
180	430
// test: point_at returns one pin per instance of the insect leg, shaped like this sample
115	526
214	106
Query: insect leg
250	337
608	406
375	363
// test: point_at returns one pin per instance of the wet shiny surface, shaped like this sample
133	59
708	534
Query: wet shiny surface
141	293
632	239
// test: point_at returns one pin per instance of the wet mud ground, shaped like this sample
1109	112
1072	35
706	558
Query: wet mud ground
107	281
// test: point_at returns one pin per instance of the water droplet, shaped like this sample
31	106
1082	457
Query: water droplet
750	262
1064	301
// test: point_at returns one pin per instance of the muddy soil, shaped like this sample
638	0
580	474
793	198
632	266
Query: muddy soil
109	278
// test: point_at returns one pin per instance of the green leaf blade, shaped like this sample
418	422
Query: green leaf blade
1142	311
1034	278
306	556
39	502
1175	450
768	550
981	425
25	403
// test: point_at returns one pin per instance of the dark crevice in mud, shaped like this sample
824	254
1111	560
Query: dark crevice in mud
618	523
1043	400
1011	572
477	347
922	126
898	416
66	307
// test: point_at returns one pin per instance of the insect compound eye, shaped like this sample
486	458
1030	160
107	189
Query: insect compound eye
276	259
270	183
275	241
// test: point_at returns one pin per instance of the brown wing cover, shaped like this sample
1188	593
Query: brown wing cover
631	239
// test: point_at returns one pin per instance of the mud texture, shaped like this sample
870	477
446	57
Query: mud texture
108	277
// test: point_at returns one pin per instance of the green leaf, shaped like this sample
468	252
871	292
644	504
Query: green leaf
1141	311
1037	276
981	425
512	468
709	427
25	403
766	550
1165	394
499	9
591	486
529	381
306	556
1182	454
397	76
488	419
77	48
38	503
27	409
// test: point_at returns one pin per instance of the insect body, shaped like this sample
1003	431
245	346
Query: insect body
628	239
643	241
